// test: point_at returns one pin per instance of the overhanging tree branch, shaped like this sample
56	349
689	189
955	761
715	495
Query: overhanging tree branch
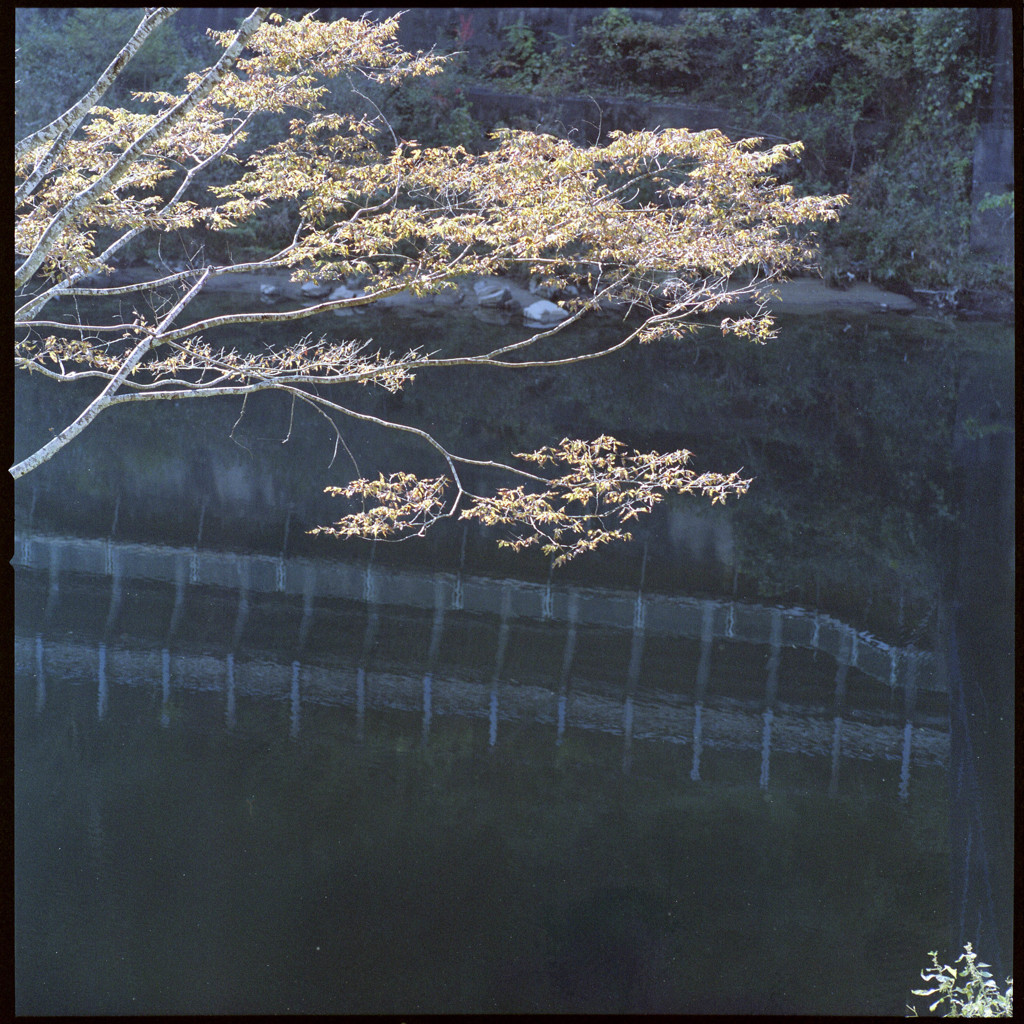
666	225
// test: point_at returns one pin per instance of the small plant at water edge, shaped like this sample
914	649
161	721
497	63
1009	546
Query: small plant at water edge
969	990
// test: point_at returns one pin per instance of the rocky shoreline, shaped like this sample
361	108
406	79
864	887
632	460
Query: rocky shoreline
495	298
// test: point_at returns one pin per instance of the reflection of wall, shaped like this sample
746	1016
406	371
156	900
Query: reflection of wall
717	724
587	660
658	614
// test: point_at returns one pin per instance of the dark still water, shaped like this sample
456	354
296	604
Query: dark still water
243	799
708	772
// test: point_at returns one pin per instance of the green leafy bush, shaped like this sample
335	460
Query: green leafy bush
520	60
435	112
968	990
617	51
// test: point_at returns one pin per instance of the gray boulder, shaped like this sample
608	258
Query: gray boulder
492	293
543	314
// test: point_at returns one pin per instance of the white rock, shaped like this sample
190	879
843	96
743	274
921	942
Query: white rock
270	293
543	314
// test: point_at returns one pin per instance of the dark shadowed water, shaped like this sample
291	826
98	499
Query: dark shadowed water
256	774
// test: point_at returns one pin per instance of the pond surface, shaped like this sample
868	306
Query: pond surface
256	773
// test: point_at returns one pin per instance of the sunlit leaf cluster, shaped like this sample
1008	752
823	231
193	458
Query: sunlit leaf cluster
406	505
602	489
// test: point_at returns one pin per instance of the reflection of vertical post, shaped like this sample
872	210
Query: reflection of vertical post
842	670
369	639
457	595
909	705
627	733
428	681
202	516
101	694
766	747
193	566
546	600
499	660
360	703
116	590
296	701
308	598
308	591
436	631
284	548
567	657
833	782
492	718
437	627
179	597
771	692
910	687
40	676
904	790
697	744
636	654
707	636
243	602
117	511
165	688
53	595
241	617
229	711
843	660
560	728
771	689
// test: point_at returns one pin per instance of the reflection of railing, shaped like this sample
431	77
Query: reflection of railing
635	713
905	668
718	724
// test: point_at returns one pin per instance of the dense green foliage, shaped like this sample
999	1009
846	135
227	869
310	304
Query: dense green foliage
884	99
